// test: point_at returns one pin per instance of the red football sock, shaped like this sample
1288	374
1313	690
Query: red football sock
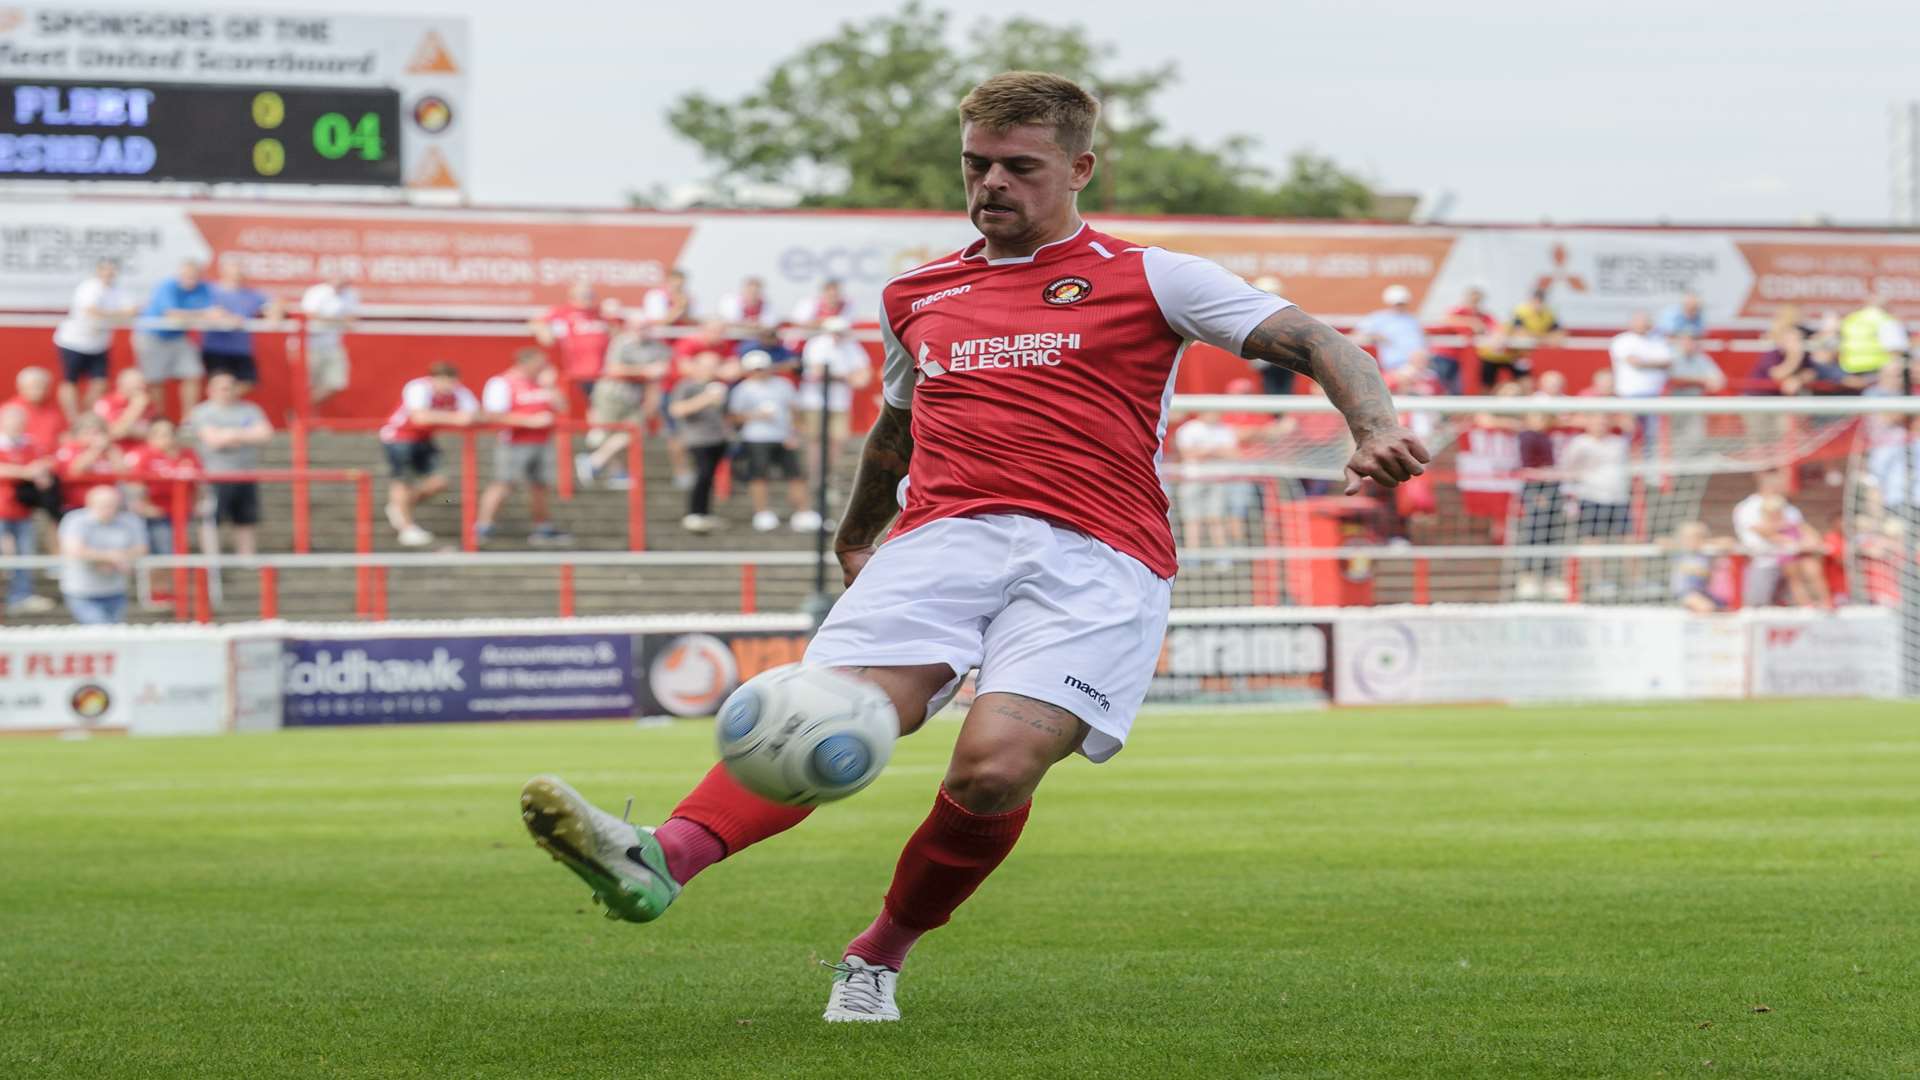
719	818
945	860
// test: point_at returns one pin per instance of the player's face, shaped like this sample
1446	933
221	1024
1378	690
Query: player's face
1020	183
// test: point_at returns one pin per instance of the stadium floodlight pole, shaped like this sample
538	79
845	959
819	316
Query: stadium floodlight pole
819	603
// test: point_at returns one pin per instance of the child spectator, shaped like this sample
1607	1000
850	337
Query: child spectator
128	410
231	431
163	471
162	346
87	459
699	403
1691	567
413	461
527	399
22	471
761	405
99	543
227	345
83	337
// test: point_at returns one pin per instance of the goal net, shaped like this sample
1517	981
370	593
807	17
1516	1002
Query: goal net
1706	505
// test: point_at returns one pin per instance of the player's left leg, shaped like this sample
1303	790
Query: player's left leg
1006	745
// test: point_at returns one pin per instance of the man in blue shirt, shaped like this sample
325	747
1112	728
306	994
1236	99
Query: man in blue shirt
160	343
1394	332
1688	316
229	348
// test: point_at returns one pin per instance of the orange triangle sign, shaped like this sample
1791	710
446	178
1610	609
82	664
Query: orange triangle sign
433	172
432	58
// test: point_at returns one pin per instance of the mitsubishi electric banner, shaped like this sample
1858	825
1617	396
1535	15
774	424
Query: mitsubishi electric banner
426	261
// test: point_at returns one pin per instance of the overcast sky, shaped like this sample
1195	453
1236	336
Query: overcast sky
1628	110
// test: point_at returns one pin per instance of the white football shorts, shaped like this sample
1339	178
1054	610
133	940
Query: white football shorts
1043	612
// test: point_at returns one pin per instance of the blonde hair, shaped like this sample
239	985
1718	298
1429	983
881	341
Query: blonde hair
1016	98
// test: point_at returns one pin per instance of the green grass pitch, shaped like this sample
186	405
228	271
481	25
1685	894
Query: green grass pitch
1684	890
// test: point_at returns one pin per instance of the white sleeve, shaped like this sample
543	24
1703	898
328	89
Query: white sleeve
897	370
731	309
1746	515
654	304
417	394
498	396
1893	335
468	403
1203	301
806	311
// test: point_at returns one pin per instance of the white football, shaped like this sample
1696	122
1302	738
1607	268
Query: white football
805	735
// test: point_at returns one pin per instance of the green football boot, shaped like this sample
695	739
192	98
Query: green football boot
621	862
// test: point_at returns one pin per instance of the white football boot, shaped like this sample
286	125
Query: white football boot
862	992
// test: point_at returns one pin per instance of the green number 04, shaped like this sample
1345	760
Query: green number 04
335	136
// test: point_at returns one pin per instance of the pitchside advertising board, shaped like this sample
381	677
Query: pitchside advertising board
404	680
475	262
198	96
149	685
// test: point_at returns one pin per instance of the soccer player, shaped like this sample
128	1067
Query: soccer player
1027	380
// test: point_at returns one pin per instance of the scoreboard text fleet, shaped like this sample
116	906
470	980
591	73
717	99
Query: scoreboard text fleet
54	130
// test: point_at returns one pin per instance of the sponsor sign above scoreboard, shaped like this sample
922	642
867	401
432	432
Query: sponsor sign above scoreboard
190	95
462	262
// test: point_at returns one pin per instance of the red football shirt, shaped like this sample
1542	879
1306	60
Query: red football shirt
46	422
11	508
162	473
580	337
1040	385
76	482
112	406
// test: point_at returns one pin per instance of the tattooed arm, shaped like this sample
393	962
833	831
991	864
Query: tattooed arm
883	464
1385	452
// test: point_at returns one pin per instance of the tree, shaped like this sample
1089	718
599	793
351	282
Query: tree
865	118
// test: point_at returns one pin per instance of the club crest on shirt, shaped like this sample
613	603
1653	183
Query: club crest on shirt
1067	290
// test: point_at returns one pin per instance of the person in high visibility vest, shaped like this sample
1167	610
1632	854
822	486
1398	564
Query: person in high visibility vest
1870	338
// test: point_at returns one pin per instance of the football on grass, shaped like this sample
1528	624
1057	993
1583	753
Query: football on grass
805	735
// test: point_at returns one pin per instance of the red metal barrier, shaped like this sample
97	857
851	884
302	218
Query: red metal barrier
566	590
269	592
749	589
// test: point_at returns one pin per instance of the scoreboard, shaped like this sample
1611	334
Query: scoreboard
225	132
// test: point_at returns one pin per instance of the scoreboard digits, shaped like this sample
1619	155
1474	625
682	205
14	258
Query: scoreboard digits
59	130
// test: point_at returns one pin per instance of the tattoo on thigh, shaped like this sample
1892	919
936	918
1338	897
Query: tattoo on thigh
1038	715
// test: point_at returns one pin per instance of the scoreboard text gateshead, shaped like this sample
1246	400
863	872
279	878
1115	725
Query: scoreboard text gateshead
62	130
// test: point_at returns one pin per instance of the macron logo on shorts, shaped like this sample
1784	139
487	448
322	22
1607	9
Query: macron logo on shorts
1087	689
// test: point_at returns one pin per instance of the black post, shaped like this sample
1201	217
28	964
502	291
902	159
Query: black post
820	603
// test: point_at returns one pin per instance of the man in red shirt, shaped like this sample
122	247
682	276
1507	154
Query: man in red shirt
128	410
23	471
163	471
577	332
87	459
527	399
1026	384
426	405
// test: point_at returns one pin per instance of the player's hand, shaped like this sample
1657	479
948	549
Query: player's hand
852	560
1388	457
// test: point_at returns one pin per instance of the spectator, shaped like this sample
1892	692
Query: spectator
813	312
579	335
1795	548
747	312
526	399
1552	384
1274	378
330	307
1761	531
231	430
1888	436
1600	385
46	426
129	410
832	357
163	471
99	544
1488	466
1205	444
227	345
1488	344
1691	567
1694	374
1870	339
767	339
1783	369
1641	362
83	337
427	404
627	393
1534	322
1394	332
1595	464
1539	512
761	406
161	345
22	470
1686	317
671	304
86	459
698	401
1416	377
